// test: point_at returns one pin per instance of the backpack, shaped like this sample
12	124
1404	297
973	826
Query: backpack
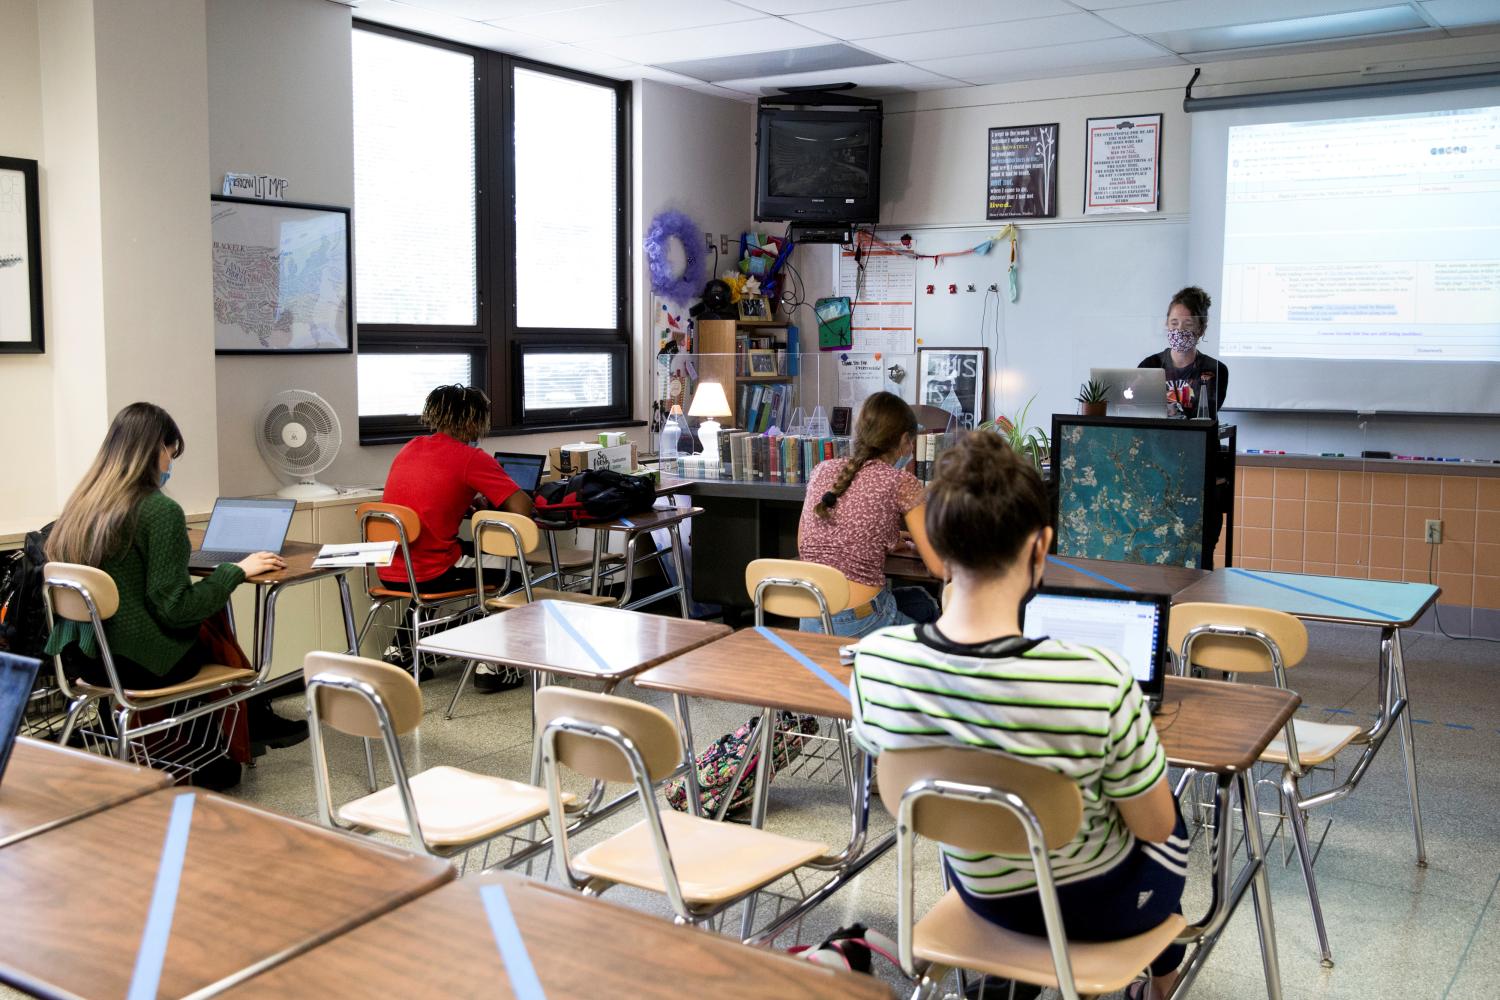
594	495
717	764
23	615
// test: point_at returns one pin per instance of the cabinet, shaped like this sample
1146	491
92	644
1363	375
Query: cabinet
718	361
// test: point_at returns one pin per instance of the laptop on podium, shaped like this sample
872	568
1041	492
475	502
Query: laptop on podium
1134	392
240	526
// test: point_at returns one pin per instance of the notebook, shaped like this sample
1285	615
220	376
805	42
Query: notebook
524	470
240	526
17	678
1129	623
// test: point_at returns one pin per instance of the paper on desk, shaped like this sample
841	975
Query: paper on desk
356	554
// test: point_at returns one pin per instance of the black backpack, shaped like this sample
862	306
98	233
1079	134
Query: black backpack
23	616
594	495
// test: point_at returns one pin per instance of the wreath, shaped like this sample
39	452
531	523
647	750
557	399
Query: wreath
683	287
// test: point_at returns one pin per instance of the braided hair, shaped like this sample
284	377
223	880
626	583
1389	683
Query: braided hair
884	420
460	411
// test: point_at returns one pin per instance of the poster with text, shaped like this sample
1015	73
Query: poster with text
1022	172
882	285
1123	172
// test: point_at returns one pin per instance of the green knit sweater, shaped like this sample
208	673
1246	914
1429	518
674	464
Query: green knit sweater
160	605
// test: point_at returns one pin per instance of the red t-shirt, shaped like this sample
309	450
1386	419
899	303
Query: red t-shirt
438	477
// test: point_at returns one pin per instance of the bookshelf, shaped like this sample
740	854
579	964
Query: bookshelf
718	358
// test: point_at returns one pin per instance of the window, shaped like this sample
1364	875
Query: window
491	241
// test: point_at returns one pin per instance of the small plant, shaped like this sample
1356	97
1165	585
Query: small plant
1029	441
1093	391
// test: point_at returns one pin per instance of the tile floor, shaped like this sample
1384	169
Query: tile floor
1397	931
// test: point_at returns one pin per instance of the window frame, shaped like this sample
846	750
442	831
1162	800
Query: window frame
495	337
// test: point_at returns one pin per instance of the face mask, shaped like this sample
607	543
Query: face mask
1181	341
168	474
903	461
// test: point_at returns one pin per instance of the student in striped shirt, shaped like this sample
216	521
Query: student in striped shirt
971	678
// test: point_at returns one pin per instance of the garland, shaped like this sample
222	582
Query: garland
678	288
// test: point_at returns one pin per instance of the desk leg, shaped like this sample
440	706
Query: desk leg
598	561
677	564
1261	887
631	537
689	756
1391	646
762	793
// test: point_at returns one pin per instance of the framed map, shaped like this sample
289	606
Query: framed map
1133	490
281	278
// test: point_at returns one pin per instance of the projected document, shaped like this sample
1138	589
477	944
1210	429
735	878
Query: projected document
1364	239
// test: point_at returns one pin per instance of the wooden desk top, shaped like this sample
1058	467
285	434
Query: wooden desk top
441	946
576	640
1221	727
46	785
298	556
650	520
1150	579
747	669
256	888
1317	598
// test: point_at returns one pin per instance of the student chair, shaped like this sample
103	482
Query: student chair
701	866
1238	639
392	522
88	594
512	537
979	801
446	811
796	589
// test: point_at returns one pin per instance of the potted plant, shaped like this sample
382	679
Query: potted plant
1029	441
1093	398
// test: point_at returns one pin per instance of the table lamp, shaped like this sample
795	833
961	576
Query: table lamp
709	402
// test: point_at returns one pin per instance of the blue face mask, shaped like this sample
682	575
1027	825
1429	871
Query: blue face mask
168	474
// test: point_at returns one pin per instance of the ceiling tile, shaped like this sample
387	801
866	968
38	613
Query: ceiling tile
1360	24
763	34
991	37
572	57
1463	13
628	17
781	7
491	10
868	79
832	57
1102	56
1180	15
906	16
458	29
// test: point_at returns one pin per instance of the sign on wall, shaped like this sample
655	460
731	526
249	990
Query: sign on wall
1123	172
1022	172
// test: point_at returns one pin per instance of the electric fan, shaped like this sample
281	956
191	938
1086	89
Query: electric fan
298	435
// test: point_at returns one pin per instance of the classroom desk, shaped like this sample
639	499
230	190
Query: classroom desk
634	528
256	889
47	785
442	945
1074	572
1387	606
1223	728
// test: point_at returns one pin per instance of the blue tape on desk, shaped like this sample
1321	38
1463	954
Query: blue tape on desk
148	961
576	636
523	979
803	659
1312	593
625	521
1088	572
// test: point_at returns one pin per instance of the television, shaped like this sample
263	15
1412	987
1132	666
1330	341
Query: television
817	166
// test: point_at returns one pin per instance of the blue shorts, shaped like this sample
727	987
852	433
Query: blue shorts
901	606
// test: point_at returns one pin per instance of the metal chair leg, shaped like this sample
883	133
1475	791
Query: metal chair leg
463	682
370	764
122	726
75	707
1291	801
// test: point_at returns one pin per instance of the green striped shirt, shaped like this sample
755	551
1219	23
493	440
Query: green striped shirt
1073	709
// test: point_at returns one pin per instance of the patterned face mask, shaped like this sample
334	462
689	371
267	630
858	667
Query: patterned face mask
1181	340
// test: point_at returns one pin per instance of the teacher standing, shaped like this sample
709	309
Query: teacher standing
1196	383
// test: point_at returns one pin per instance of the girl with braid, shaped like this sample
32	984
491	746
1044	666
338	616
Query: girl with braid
855	513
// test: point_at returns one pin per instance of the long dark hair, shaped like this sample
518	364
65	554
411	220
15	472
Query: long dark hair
985	501
884	420
95	521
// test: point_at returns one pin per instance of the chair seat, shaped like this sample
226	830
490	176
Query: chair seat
571	558
446	595
210	677
951	935
454	806
715	862
517	598
1316	742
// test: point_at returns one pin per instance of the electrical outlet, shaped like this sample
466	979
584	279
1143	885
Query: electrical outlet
708	240
1434	531
723	243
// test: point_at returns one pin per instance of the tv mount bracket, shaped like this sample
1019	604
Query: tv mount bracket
820	97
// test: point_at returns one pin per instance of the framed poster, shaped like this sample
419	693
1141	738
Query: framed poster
953	379
281	278
1122	170
1022	172
20	258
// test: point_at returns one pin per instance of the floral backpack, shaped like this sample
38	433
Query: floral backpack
717	764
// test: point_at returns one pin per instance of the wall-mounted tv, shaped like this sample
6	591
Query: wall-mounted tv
818	166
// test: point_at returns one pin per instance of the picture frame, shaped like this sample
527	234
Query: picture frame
282	276
954	379
842	419
21	328
755	309
1021	172
1122	164
763	363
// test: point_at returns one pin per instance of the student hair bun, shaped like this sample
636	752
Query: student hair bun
985	502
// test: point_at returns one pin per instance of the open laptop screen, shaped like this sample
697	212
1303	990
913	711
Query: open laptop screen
524	470
17	677
1133	625
241	524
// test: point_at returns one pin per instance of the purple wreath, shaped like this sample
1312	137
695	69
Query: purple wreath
687	286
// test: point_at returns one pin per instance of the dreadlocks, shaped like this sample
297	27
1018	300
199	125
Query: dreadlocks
459	411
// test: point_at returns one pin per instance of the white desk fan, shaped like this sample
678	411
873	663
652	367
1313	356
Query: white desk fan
299	435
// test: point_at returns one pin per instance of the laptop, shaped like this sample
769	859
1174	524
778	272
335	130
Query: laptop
240	526
525	470
1129	623
17	678
1134	392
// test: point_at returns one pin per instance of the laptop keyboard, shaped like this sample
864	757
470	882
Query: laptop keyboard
208	559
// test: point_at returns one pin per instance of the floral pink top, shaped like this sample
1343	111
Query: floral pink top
865	522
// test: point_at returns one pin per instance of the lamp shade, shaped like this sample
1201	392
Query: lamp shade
709	401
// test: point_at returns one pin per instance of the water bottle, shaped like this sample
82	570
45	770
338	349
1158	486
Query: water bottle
671	433
684	432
